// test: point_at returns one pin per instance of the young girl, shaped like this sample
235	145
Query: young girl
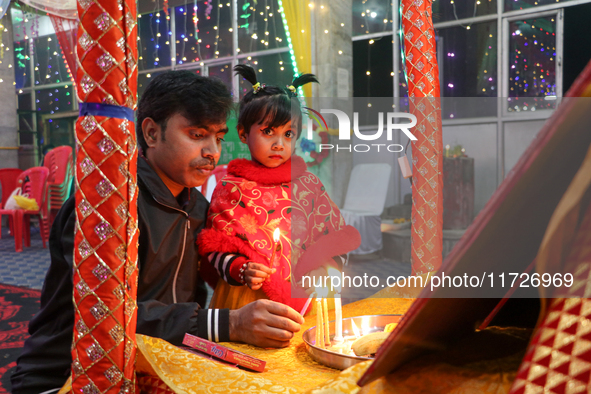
272	191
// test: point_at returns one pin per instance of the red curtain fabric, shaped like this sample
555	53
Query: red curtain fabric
65	30
423	91
105	255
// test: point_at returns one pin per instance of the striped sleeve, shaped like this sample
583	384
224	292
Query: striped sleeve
214	324
222	262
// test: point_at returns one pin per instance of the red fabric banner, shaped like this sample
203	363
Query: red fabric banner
423	91
105	255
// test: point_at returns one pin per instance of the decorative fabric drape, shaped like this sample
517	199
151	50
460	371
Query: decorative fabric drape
65	30
62	8
106	236
423	90
558	358
297	14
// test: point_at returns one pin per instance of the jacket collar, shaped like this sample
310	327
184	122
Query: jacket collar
254	171
158	189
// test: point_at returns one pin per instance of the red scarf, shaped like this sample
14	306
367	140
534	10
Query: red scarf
253	200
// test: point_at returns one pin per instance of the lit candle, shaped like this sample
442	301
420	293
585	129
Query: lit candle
319	325
276	246
325	321
338	321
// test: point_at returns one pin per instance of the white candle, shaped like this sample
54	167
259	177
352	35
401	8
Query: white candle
326	325
338	336
319	324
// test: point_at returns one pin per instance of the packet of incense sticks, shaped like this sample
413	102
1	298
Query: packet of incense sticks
224	353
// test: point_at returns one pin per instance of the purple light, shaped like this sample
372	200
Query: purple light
541	49
517	78
526	85
490	79
451	85
525	44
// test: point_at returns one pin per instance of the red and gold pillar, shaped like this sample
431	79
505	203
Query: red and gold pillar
423	91
106	234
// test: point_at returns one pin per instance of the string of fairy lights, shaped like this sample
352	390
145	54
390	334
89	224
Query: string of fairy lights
203	32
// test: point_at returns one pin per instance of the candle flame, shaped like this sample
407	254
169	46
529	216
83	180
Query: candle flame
276	234
365	327
335	272
355	329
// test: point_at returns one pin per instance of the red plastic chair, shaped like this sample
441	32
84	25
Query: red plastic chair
60	163
8	178
218	173
35	188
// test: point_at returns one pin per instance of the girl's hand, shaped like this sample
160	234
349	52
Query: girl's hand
255	274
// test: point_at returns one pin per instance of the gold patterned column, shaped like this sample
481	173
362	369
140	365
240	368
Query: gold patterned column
106	234
423	91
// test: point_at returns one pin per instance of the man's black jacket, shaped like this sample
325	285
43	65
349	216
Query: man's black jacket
170	289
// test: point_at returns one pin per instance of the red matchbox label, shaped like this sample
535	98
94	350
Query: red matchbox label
224	353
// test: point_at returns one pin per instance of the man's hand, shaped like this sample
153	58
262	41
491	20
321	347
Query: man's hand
264	323
255	274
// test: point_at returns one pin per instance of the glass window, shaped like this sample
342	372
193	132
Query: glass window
372	67
273	69
60	131
203	31
22	64
446	10
511	5
223	72
26	124
154	48
54	100
371	16
50	65
260	26
532	64
468	68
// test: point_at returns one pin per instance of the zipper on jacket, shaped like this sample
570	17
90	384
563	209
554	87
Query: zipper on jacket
178	267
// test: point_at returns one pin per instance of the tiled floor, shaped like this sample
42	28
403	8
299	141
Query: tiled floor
28	268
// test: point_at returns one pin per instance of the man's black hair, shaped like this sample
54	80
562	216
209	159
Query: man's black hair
202	100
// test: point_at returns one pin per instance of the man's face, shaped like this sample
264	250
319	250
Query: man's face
185	154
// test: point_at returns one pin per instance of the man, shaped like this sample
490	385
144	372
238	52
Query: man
181	124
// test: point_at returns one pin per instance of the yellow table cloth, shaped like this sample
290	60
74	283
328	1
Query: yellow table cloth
485	363
288	370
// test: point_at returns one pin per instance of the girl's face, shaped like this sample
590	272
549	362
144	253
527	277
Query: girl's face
270	146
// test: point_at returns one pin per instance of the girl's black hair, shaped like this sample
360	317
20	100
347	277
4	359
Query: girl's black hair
270	104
